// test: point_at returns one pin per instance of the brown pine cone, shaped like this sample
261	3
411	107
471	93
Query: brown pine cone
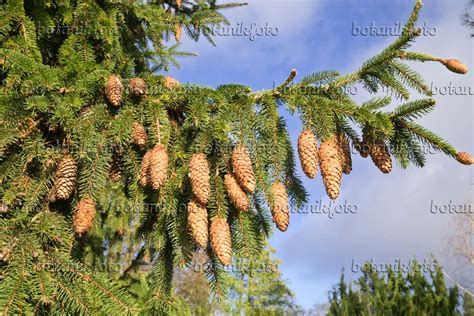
455	65
331	167
381	156
170	82
114	90
138	87
4	208
197	222
200	179
465	158
64	179
116	168
220	240
236	195
158	166
345	152
308	152
178	3
84	216
139	135
177	32
280	209
242	166
145	169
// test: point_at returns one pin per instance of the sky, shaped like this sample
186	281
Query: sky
394	218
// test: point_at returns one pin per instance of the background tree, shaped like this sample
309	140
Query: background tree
395	293
254	284
85	120
256	287
460	250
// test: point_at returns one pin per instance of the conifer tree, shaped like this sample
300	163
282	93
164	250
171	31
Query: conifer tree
395	293
80	97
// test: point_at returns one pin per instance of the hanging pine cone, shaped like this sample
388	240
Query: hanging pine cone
308	152
138	87
197	222
345	152
5	254
158	166
64	179
145	170
455	65
465	158
381	156
4	208
83	216
242	166
199	176
114	90
116	168
177	32
170	82
331	167
280	209
139	136
236	195
178	3
220	240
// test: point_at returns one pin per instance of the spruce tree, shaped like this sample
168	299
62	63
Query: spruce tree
395	293
95	149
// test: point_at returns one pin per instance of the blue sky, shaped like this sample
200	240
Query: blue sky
393	219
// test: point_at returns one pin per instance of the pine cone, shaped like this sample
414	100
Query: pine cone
236	195
158	166
145	170
381	156
197	221
177	32
465	158
243	168
84	216
116	168
139	136
5	254
220	240
114	90
170	82
178	3
4	208
64	179
455	65
331	167
280	209
345	152
138	87
199	176
308	152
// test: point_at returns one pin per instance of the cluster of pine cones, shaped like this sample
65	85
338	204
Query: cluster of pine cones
333	158
238	183
114	88
65	180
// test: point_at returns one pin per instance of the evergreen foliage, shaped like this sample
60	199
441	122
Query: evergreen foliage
55	60
396	293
